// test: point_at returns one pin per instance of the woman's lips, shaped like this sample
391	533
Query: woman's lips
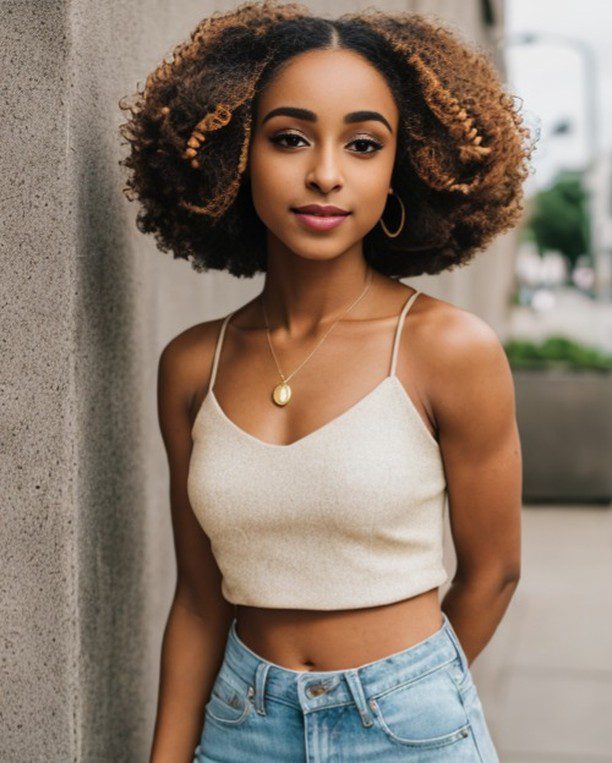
319	222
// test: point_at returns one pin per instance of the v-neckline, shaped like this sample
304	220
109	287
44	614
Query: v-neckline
310	435
324	427
337	420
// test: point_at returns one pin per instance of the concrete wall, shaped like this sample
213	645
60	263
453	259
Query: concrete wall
87	305
38	475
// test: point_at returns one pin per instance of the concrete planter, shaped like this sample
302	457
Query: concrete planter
565	424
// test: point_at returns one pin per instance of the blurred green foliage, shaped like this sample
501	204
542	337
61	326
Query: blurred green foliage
556	352
559	218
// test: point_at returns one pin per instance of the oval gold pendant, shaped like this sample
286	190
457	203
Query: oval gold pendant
281	394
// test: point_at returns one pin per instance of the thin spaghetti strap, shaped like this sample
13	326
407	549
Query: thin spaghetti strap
221	335
398	330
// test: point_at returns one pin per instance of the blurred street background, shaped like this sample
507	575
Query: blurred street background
546	677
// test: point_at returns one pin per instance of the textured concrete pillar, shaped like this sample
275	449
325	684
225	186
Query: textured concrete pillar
39	618
87	304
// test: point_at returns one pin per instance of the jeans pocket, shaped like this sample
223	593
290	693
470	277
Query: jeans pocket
229	701
425	712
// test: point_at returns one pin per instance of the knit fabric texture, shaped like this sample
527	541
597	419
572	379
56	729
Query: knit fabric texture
349	516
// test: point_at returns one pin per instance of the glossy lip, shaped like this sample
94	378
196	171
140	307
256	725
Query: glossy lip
321	209
320	222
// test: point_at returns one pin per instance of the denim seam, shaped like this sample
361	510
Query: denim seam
234	722
242	690
433	742
411	681
274	698
458	647
464	682
296	706
473	729
311	710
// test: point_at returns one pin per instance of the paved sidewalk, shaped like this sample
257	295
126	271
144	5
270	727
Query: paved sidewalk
545	678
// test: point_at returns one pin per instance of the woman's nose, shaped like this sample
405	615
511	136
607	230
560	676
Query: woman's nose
325	173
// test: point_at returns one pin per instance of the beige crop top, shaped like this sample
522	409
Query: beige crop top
348	516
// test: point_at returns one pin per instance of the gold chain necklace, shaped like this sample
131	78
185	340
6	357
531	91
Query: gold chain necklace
281	394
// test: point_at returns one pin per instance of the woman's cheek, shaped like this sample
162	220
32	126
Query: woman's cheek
272	189
271	203
369	211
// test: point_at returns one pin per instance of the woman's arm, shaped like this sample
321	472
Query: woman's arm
472	399
199	618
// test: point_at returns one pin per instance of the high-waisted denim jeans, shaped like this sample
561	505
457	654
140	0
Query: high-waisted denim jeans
419	704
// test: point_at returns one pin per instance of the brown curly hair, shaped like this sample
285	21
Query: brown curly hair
462	149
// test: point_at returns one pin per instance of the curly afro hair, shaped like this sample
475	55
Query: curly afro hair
462	149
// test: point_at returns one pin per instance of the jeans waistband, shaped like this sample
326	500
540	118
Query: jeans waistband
313	690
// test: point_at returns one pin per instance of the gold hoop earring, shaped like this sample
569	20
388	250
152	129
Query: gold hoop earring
399	230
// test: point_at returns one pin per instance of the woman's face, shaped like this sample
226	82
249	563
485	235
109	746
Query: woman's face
327	153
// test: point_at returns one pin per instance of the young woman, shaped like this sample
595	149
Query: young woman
314	434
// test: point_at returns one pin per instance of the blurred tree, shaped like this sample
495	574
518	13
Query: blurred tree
559	217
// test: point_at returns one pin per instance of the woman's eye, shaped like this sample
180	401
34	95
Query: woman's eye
363	142
368	142
285	135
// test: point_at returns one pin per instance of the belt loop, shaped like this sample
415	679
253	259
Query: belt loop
356	689
260	684
454	638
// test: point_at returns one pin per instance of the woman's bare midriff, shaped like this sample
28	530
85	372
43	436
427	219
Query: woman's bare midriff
311	640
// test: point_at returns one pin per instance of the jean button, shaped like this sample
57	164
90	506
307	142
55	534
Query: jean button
315	690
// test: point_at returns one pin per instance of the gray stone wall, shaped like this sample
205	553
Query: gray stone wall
38	474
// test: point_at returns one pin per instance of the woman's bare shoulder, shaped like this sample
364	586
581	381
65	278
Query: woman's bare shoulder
188	346
185	363
186	360
191	350
447	328
462	360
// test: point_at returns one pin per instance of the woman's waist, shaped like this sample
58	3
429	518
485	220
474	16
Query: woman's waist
320	640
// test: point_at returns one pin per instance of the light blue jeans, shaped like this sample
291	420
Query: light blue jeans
419	704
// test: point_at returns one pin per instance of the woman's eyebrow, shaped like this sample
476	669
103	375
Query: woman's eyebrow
310	116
